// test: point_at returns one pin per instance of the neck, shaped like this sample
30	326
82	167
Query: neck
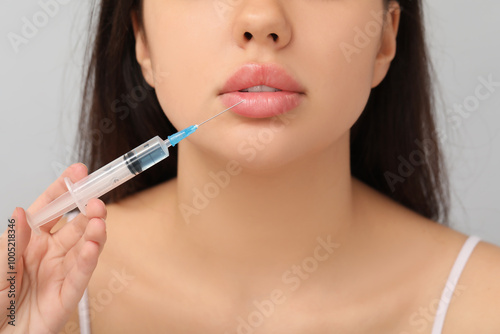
243	219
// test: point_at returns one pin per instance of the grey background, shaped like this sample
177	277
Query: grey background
40	94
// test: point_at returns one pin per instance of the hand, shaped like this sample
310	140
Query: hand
53	269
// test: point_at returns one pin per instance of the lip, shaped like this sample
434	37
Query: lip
262	104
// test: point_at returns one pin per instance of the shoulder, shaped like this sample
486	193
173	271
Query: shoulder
475	305
476	308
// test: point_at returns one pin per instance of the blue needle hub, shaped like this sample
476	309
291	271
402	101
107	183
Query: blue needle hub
177	137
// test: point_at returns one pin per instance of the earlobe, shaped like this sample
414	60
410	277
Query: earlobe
142	51
387	50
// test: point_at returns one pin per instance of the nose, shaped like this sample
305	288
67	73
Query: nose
262	22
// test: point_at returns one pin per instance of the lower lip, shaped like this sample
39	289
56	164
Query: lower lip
262	105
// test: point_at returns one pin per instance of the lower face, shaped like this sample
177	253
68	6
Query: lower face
196	46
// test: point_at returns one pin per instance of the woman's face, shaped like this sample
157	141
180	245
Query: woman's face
336	50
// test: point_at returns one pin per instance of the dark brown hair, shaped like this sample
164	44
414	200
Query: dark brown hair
120	111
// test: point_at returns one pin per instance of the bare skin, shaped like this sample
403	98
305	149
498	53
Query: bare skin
204	272
43	285
400	271
256	242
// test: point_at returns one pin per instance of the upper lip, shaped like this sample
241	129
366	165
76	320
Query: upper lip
272	75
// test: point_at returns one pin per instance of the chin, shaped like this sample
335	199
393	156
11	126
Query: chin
265	165
269	159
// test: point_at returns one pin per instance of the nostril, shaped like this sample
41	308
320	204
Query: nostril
248	35
274	36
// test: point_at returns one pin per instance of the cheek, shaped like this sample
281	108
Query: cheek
183	44
340	85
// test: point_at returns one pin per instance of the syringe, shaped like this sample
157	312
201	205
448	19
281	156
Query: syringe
110	176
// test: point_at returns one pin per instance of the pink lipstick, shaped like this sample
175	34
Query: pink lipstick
267	88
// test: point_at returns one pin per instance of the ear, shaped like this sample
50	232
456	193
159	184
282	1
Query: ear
387	49
142	50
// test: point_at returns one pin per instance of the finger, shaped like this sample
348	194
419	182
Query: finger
96	232
96	209
69	234
13	243
79	276
75	172
22	231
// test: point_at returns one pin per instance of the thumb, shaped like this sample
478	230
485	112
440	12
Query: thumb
13	243
17	238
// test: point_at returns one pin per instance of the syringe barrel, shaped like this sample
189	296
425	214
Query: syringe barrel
119	171
104	180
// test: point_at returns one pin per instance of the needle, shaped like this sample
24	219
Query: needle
177	137
211	118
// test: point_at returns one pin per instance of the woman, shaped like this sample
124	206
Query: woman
317	206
